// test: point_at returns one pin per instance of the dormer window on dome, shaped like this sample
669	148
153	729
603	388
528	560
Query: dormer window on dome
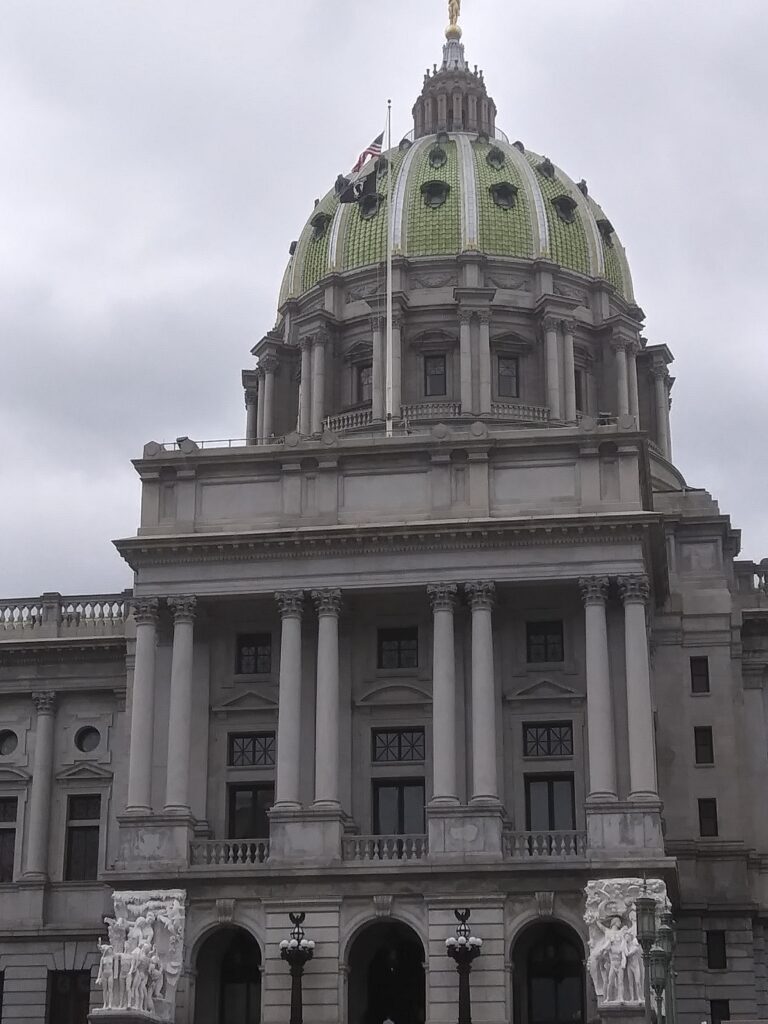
566	208
546	168
606	231
437	157
435	193
369	205
320	224
504	194
381	166
495	158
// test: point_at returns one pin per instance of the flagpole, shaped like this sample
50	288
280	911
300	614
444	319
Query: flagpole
390	412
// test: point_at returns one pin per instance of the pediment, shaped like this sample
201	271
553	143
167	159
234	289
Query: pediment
248	701
510	342
394	693
85	771
545	689
360	350
9	774
436	338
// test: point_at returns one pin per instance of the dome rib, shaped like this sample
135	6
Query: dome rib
333	244
400	194
470	218
542	242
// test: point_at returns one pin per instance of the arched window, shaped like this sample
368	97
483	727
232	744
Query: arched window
548	976
228	989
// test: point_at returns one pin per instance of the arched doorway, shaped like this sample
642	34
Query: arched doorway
228	986
548	978
386	975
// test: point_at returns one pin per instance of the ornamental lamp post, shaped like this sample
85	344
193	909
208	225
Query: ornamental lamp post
659	960
297	951
645	907
665	938
463	949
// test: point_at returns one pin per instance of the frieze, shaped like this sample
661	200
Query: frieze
435	280
362	292
509	284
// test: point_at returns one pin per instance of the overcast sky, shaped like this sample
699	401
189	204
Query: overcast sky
158	157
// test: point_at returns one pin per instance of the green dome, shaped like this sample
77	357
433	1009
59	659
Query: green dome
455	193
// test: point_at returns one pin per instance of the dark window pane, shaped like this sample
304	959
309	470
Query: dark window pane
84	808
434	376
82	863
399	648
549	803
508	377
364	383
708	817
7	848
699	675
398	808
705	751
254	654
553	739
68	997
538	806
8	809
579	380
413	809
562	804
545	641
716	954
252	750
248	807
543	1000
398	745
719	1010
386	807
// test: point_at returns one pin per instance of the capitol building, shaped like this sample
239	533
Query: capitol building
447	631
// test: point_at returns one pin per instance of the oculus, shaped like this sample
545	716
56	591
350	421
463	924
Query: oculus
566	208
504	194
437	157
435	193
546	168
606	231
87	739
8	742
370	205
495	158
320	224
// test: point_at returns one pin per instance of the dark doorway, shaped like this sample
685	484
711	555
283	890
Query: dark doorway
228	989
386	975
548	976
69	994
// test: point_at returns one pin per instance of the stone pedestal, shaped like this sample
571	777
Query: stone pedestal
621	1013
465	832
122	1017
156	840
620	829
306	836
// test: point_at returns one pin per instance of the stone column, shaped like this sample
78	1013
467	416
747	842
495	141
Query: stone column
318	383
291	603
443	599
377	369
142	708
485	788
251	414
397	373
661	379
305	397
622	377
642	759
269	365
260	408
180	714
602	743
36	867
569	370
634	397
484	362
553	367
328	605
465	360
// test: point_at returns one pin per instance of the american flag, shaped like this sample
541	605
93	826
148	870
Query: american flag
373	150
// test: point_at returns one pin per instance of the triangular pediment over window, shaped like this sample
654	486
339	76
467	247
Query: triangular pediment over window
84	771
248	701
9	774
546	689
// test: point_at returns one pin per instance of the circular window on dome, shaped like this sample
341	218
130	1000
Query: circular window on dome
435	193
606	231
381	166
87	739
437	157
566	208
369	206
405	144
8	742
504	194
320	224
495	158
546	167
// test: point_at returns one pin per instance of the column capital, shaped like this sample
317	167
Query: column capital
484	316
397	321
251	396
634	589
550	324
660	372
183	608
268	364
145	610
305	343
376	322
465	316
442	596
569	327
594	589
327	602
44	701
291	603
480	594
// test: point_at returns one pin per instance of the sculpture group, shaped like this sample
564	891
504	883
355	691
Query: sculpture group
142	959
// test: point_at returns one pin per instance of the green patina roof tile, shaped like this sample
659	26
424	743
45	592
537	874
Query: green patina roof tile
365	240
568	244
502	232
315	253
434	231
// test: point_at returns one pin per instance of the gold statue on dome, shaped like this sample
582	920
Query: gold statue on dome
454	13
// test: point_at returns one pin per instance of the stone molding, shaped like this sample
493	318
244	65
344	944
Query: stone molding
145	611
550	324
290	603
660	372
634	589
465	316
269	364
484	316
569	327
183	608
594	589
45	702
327	602
442	596
480	594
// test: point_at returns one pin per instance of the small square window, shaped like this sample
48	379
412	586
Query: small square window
435	382
549	739
719	1010
251	750
544	642
705	750
717	958
254	654
399	648
364	384
393	746
509	377
708	817
700	675
580	391
8	810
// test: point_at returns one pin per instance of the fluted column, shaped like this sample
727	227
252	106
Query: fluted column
485	786
260	407
328	605
36	866
377	370
397	370
305	391
142	708
251	414
269	365
660	379
569	370
634	397
552	367
465	360
291	604
622	377
180	715
484	362
600	724
318	383
443	599
642	758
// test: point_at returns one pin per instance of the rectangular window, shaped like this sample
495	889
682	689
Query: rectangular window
398	807
392	746
509	377
251	750
82	855
702	739
69	996
548	739
580	391
700	675
549	803
719	1010
399	648
254	654
435	382
544	641
248	806
717	959
708	817
364	384
8	810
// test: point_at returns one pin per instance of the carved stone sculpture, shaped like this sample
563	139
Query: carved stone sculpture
615	957
142	959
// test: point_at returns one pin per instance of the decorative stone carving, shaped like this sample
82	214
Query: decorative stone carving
481	594
45	702
442	596
269	364
183	608
145	610
550	324
225	911
545	901
290	602
142	960
634	589
362	292
594	589
615	961
435	280
382	906
251	396
511	284
327	602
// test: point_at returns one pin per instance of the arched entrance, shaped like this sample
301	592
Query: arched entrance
386	975
548	978
228	986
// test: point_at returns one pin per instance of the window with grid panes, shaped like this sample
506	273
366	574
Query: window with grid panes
399	648
364	384
508	377
435	380
252	750
248	811
708	817
719	1010
544	641
700	675
703	744
717	959
254	654
392	746
549	803
548	739
8	811
82	853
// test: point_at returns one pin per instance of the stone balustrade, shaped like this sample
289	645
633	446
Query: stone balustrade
353	420
51	615
228	852
384	848
430	410
752	577
545	845
516	411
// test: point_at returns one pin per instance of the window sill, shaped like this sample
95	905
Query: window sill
253	677
704	764
538	758
707	694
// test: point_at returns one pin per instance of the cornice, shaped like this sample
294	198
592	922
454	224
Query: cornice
47	650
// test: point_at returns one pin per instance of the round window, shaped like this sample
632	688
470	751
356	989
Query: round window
87	739
8	742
